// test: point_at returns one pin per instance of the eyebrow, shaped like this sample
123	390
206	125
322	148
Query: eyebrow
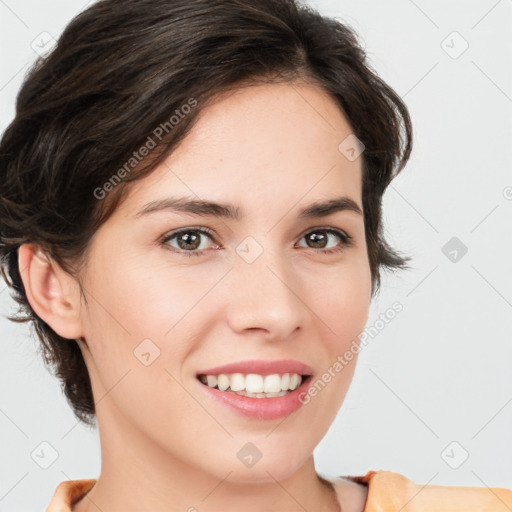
228	211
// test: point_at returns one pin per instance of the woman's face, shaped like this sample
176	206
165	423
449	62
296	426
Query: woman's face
269	285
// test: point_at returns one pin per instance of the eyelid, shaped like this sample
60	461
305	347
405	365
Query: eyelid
330	229
186	229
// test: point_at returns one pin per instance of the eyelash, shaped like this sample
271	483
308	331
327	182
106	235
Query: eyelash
347	240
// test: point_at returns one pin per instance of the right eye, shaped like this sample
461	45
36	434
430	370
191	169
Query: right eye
188	240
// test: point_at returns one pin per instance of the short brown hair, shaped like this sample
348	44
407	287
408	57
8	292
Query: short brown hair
120	69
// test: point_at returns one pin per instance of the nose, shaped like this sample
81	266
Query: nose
265	296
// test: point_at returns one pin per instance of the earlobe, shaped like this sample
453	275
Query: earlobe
52	293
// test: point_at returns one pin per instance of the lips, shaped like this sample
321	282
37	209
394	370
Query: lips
261	367
259	408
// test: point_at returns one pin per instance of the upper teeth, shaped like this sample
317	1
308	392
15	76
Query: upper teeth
253	383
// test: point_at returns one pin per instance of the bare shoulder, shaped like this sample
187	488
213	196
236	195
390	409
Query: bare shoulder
351	495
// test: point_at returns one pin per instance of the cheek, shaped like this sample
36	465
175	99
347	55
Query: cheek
145	299
137	332
148	313
341	301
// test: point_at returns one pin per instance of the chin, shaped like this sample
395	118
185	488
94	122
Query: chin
268	463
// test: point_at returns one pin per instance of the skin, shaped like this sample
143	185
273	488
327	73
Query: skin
165	444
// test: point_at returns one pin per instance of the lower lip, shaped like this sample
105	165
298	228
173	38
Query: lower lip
261	408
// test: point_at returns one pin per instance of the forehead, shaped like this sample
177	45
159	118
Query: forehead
262	143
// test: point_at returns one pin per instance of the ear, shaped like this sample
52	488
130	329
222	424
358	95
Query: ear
53	294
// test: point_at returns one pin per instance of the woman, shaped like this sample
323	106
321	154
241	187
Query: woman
191	218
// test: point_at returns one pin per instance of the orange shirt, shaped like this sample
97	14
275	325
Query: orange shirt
387	491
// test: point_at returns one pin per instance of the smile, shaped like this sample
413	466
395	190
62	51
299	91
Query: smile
254	385
257	406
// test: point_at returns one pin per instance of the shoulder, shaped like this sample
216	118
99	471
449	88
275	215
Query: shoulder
352	495
390	491
68	492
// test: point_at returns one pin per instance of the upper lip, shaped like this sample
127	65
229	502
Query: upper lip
262	367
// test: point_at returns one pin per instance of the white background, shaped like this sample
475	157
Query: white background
440	371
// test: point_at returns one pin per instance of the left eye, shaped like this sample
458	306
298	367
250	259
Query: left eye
319	238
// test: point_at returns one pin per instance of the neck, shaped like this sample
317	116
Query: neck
138	474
